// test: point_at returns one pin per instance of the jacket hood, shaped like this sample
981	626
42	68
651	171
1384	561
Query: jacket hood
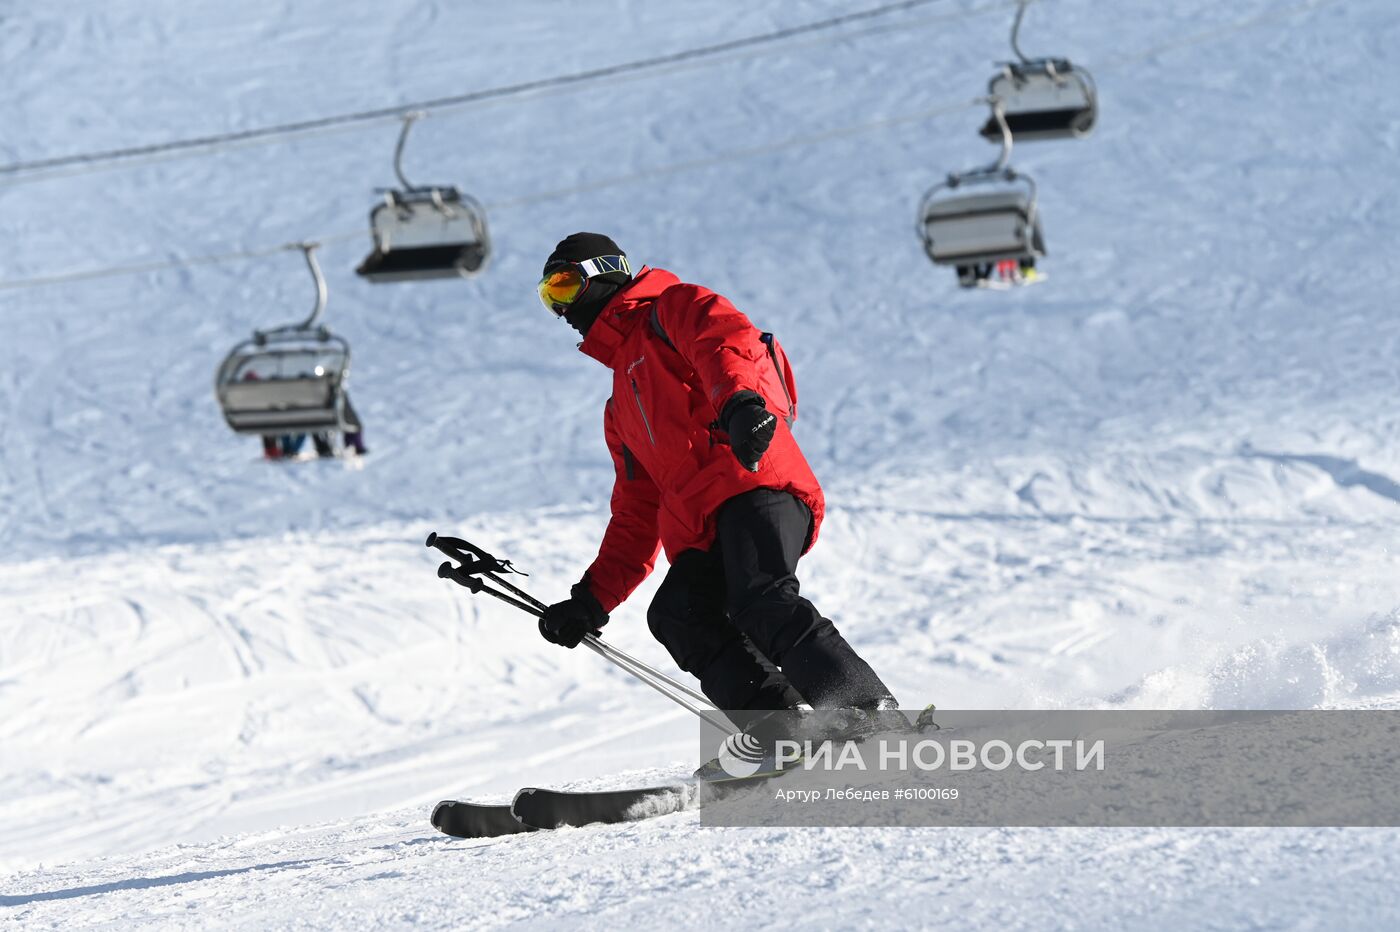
623	312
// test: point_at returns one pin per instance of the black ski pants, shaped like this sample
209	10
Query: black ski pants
733	616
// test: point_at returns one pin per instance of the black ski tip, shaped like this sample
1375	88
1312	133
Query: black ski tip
547	809
432	539
475	820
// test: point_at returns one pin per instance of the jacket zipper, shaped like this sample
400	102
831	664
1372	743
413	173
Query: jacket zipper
787	395
637	396
782	378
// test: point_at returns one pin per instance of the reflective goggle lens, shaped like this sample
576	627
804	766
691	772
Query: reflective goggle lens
561	287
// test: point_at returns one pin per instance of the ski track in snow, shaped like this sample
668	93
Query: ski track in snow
1167	478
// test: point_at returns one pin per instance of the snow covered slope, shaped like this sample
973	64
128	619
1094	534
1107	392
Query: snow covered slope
1168	477
383	872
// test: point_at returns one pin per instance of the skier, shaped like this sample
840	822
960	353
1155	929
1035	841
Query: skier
706	468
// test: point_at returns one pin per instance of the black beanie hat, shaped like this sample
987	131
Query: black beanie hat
579	247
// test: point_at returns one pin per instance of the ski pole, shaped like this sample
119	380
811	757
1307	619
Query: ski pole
448	571
619	654
488	566
671	689
662	684
615	654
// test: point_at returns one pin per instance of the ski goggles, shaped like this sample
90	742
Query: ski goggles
565	282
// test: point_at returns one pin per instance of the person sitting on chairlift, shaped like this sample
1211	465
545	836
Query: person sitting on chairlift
1008	271
288	446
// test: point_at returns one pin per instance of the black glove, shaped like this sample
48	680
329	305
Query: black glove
565	623
750	425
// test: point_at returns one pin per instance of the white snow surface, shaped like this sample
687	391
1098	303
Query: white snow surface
1169	477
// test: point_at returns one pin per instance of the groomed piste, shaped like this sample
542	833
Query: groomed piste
1167	476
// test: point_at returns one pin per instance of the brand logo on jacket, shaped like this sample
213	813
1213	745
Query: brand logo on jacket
637	362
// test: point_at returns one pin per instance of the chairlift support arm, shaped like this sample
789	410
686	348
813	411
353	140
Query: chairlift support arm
999	168
308	252
1016	30
408	120
999	113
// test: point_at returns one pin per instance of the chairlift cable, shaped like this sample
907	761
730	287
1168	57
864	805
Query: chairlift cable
507	203
397	115
735	155
1201	38
493	93
139	268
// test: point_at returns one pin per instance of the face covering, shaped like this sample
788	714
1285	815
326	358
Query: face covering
583	312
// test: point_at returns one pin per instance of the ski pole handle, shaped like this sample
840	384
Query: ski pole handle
473	559
447	571
474	585
448	545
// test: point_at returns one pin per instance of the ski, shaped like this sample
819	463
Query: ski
475	820
537	808
544	808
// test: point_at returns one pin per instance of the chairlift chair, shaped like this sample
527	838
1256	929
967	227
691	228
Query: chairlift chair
1043	98
979	229
423	233
290	379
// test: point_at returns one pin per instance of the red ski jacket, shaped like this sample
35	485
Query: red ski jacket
678	352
